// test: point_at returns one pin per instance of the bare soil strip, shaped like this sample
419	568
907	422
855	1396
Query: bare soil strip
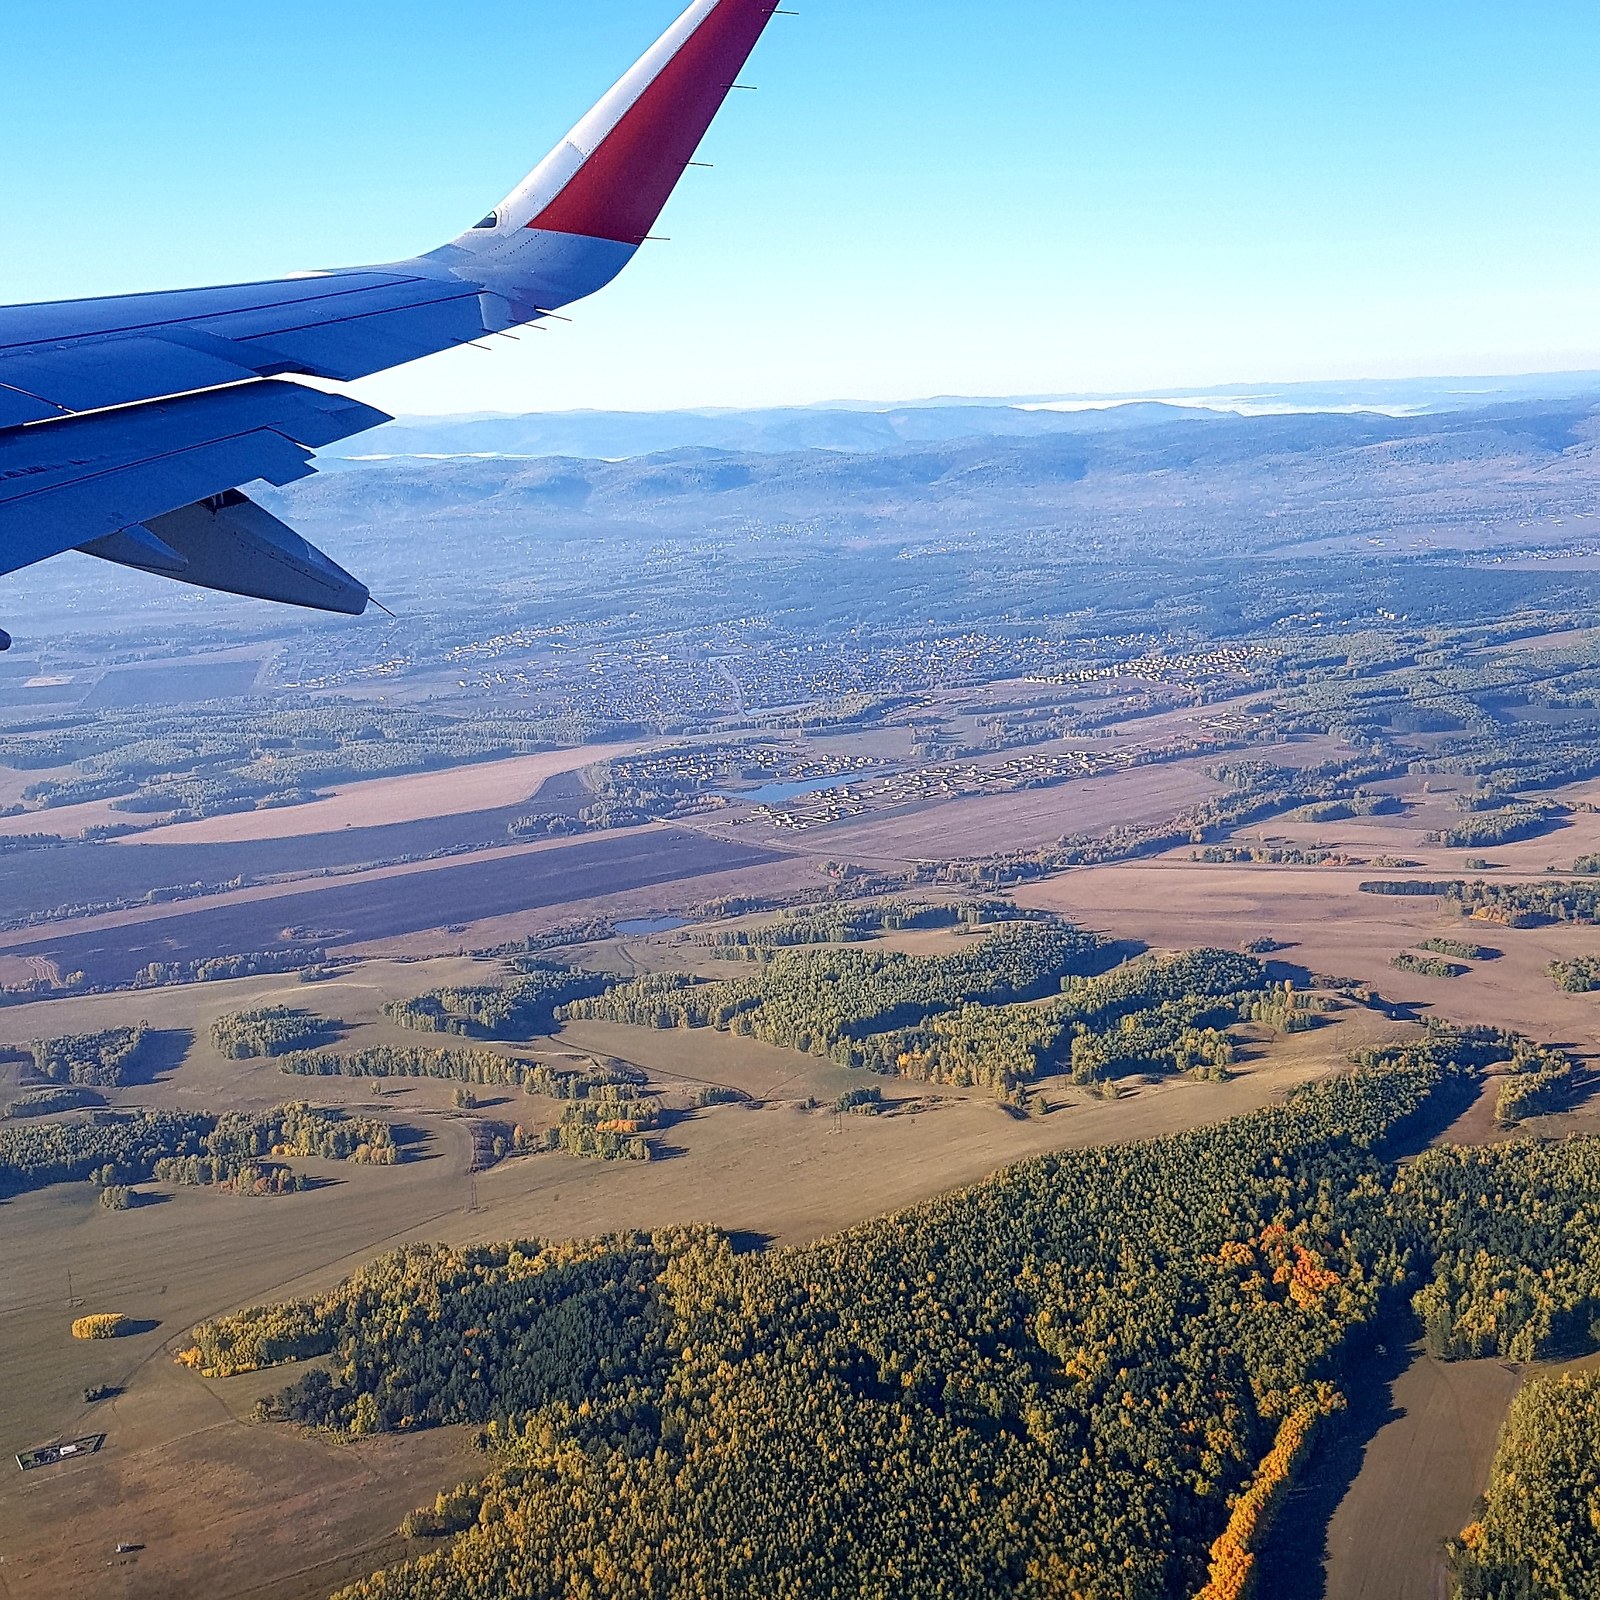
454	792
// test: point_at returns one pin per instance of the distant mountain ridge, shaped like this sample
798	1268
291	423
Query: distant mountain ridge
860	427
1202	484
622	435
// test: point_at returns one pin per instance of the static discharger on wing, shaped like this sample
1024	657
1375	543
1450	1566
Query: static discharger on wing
128	424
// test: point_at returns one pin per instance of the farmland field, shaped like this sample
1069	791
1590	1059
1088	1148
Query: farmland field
389	904
1019	821
456	792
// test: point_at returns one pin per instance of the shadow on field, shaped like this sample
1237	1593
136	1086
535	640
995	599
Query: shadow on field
1114	953
161	1054
1447	1106
1293	1561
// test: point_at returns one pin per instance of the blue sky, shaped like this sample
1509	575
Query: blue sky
924	197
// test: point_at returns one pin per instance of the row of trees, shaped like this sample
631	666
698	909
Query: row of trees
462	1066
1269	855
215	969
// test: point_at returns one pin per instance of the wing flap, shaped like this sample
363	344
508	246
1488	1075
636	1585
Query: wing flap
231	544
67	483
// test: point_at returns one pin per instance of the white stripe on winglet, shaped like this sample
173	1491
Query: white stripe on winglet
535	193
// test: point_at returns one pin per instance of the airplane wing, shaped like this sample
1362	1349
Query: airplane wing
128	424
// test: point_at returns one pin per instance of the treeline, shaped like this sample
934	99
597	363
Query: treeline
1514	905
462	1066
184	1147
269	1031
833	1002
101	1060
1421	888
521	1009
1362	803
15	844
1269	855
1528	904
1058	1380
1538	1534
214	969
852	922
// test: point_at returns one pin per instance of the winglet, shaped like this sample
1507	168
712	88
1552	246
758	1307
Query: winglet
611	177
